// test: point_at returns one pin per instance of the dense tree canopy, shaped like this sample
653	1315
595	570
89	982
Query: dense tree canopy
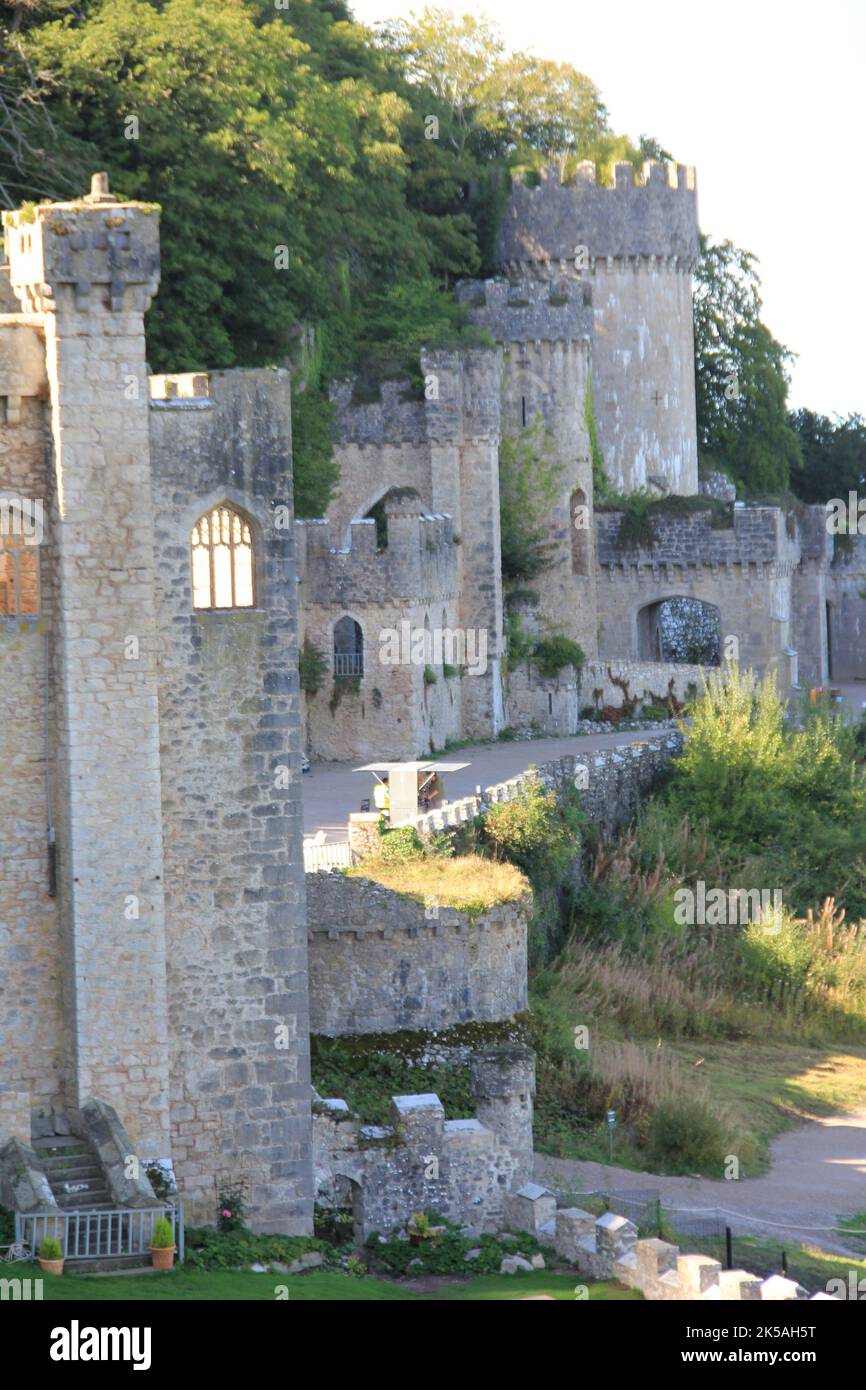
323	184
834	456
741	375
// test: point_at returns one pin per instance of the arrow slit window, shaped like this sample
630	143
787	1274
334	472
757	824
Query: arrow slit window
222	560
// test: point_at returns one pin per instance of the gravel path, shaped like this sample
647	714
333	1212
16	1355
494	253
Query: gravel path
817	1173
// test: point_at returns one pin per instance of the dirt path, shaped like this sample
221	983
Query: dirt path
817	1173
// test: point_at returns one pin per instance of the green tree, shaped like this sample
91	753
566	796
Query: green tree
741	375
833	456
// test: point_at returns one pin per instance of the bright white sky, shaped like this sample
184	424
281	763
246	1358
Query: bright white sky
768	99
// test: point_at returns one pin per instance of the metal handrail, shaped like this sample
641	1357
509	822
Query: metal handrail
101	1233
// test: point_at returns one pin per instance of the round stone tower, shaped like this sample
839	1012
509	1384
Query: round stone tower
636	245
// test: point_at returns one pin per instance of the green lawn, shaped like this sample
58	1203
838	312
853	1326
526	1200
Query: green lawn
320	1285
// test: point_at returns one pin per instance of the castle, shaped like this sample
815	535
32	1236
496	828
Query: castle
154	992
592	317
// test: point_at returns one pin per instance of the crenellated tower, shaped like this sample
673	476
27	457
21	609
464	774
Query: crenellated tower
545	328
635	245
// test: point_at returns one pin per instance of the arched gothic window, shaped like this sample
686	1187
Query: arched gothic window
19	576
222	560
348	648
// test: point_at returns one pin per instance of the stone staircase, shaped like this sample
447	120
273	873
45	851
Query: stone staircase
74	1173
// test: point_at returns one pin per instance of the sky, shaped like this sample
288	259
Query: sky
767	98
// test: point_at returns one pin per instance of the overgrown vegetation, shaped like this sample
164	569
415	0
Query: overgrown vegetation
529	478
758	804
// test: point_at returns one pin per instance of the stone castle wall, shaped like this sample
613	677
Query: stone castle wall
229	724
380	962
31	978
87	272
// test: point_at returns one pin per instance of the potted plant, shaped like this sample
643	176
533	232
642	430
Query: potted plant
418	1228
51	1257
162	1245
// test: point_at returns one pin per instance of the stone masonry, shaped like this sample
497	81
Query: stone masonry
153	938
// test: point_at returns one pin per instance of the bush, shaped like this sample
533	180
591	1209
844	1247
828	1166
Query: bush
525	828
686	1135
210	1249
231	1209
400	845
552	654
311	667
50	1249
655	712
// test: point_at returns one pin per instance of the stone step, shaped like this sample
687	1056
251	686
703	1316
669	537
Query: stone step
62	1168
60	1142
97	1195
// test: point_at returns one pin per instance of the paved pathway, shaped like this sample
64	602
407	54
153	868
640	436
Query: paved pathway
817	1173
332	790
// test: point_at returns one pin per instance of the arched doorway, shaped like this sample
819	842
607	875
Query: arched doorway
680	629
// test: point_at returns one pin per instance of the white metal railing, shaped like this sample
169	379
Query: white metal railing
348	663
98	1235
320	858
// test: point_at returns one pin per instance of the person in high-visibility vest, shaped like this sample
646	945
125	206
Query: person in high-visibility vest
382	796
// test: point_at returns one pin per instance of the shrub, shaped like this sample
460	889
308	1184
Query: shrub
50	1249
655	712
400	845
552	654
311	667
686	1135
429	675
524	828
162	1237
231	1209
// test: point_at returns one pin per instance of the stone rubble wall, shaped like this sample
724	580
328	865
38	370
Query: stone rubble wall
422	1162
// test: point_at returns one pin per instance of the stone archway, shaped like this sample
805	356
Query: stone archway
679	628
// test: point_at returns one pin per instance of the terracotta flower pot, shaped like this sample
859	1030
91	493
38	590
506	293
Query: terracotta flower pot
162	1256
52	1266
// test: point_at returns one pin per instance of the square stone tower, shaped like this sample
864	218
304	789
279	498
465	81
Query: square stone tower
171	736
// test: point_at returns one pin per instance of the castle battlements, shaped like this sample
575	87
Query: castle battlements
585	221
420	558
529	310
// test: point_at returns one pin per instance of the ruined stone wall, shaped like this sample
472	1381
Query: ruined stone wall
229	724
649	681
380	962
421	1162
